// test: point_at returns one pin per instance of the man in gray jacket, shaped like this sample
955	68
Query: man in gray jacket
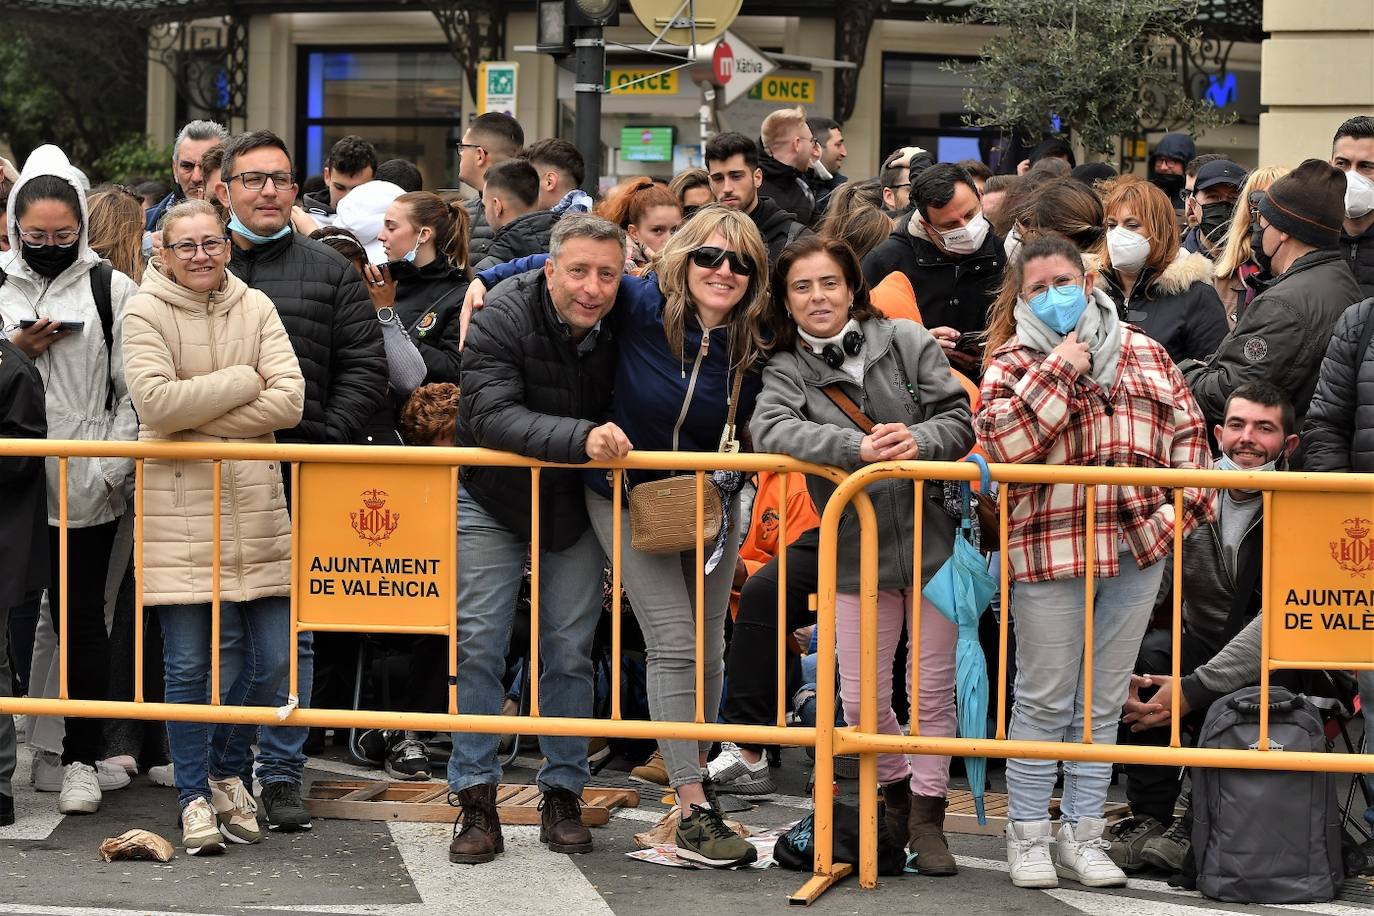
1220	643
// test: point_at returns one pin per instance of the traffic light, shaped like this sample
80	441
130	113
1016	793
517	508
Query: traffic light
583	13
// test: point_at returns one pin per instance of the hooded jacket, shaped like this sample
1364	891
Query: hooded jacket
777	226
787	187
78	371
1359	254
795	417
211	367
428	302
1178	307
1280	337
480	232
951	290
333	329
317	205
526	234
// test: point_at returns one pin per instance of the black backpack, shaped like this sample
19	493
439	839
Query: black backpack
101	277
1266	836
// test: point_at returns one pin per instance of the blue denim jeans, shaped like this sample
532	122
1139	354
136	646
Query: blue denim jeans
281	748
201	751
489	577
1049	682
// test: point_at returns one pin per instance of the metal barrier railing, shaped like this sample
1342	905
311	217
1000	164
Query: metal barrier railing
1328	496
1343	494
444	465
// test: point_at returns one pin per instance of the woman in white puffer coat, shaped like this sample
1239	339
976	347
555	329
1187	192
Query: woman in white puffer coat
49	309
207	360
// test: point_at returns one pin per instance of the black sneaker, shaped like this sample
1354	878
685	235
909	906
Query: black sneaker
1170	849
407	759
285	811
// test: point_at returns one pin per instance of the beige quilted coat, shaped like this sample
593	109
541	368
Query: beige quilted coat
211	368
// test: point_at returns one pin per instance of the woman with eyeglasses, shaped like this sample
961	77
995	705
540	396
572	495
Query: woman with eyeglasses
208	360
649	214
831	351
61	307
1068	383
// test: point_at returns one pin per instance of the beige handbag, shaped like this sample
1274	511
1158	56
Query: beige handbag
663	513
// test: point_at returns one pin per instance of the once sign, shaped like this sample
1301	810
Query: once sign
797	90
1320	604
641	82
376	545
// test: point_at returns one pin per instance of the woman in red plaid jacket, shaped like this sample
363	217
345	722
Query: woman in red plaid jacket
1068	383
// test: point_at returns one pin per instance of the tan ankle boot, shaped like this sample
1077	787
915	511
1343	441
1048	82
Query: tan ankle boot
926	827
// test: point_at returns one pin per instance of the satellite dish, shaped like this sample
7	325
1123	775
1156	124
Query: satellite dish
712	18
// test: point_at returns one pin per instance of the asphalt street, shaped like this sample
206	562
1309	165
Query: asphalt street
49	867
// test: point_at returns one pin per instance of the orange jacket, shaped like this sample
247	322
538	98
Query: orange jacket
761	545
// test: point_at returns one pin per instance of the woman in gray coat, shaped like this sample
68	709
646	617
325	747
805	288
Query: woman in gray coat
829	345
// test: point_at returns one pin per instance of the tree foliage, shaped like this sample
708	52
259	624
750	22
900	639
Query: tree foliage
1086	69
80	85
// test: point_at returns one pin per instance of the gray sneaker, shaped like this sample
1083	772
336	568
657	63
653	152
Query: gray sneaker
1127	839
734	775
1170	849
703	837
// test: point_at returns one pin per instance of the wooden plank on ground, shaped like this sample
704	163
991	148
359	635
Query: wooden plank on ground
961	816
427	802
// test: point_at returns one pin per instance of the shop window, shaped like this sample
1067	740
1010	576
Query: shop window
407	101
923	105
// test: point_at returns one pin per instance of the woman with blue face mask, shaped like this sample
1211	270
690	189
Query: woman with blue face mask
1068	383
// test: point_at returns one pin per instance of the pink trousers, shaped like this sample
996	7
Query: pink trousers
928	776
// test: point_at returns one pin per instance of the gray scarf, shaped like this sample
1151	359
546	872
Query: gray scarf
1098	327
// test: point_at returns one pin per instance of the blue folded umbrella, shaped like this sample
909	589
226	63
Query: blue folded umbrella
961	589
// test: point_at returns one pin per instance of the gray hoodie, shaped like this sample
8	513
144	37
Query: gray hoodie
795	417
75	369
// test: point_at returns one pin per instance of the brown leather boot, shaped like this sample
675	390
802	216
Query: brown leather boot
560	822
896	810
927	837
480	839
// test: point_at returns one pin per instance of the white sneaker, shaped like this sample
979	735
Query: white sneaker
199	834
46	773
1081	855
733	774
111	775
235	810
163	775
80	790
1028	854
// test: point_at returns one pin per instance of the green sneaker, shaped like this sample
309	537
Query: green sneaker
703	837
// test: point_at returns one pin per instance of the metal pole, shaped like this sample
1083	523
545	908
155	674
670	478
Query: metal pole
589	80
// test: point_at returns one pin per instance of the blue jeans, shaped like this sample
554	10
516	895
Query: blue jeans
489	578
281	748
1049	682
200	751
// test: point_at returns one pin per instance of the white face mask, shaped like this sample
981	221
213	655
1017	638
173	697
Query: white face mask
1359	195
966	239
1127	250
1012	243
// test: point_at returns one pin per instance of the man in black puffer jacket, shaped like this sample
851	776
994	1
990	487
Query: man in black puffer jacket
538	367
338	341
510	201
1282	335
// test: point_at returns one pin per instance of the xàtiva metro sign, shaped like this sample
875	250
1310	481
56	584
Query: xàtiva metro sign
736	65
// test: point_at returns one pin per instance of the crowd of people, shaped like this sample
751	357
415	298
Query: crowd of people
1205	315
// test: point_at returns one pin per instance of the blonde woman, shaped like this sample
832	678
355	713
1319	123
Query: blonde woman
207	360
1236	274
117	230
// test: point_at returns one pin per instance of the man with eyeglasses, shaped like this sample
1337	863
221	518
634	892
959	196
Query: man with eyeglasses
491	139
787	150
338	341
1283	334
195	140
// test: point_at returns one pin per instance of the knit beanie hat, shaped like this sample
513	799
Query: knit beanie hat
1308	203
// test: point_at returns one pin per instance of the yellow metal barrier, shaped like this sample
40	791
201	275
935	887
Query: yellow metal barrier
1342	500
433	474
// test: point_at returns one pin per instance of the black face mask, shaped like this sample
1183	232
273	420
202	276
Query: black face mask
1214	219
49	260
1262	260
1171	185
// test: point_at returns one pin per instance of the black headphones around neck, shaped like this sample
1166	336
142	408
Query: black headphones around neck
834	357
